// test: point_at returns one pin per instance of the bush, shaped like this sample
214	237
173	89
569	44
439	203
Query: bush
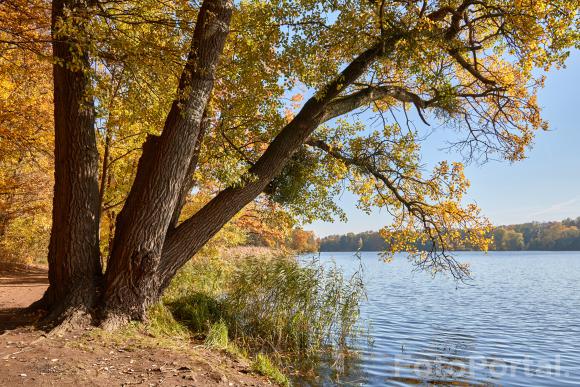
198	311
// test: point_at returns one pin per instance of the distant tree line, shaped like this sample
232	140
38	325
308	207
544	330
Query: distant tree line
558	236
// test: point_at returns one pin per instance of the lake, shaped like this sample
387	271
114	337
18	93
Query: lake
516	324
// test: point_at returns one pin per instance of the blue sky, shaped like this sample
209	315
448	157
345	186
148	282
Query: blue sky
545	186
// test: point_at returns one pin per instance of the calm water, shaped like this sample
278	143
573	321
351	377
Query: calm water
518	324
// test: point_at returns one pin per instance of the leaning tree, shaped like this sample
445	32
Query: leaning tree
239	71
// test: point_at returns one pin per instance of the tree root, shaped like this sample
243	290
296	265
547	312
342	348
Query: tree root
113	321
69	321
74	312
38	306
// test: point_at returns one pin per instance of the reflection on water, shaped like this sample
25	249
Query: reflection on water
517	324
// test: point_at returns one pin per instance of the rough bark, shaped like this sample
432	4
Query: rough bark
131	280
73	257
189	181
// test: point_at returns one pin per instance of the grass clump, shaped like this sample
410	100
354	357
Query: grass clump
264	366
278	306
198	311
217	336
161	323
294	308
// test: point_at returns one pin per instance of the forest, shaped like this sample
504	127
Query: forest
543	236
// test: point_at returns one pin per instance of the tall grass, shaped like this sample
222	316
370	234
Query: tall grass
217	336
292	311
289	307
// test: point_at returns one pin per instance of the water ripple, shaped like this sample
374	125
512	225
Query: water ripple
517	325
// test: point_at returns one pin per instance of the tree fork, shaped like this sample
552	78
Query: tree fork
131	280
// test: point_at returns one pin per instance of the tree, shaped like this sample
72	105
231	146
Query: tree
506	239
303	241
466	63
26	137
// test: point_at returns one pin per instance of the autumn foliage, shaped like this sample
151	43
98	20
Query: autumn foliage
177	122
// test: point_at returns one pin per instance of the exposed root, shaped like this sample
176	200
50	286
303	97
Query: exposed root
74	312
70	321
114	321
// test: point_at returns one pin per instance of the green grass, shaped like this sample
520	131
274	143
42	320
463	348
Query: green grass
217	336
162	323
198	311
264	366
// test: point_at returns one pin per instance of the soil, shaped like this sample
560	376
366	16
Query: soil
32	357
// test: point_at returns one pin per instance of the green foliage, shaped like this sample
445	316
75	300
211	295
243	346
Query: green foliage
196	311
264	366
307	186
507	239
364	241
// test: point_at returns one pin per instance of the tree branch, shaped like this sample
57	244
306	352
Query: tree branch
455	54
368	168
343	105
416	208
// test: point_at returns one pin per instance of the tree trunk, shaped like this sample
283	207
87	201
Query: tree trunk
73	257
131	280
189	180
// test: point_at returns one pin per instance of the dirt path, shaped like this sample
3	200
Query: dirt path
29	357
20	286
